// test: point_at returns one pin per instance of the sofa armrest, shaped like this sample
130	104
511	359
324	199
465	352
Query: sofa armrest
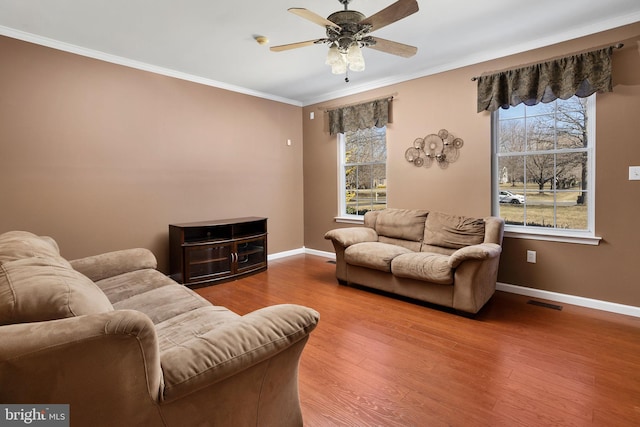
351	235
234	347
110	264
480	252
105	363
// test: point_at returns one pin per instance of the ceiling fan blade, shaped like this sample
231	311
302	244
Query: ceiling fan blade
295	45
389	15
312	16
394	48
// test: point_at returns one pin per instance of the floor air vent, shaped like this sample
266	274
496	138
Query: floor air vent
544	304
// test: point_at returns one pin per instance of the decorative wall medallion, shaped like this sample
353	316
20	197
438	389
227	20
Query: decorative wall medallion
442	147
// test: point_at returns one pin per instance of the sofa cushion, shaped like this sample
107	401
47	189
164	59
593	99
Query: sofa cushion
374	255
16	245
119	288
191	325
423	266
407	224
452	231
39	289
164	302
413	246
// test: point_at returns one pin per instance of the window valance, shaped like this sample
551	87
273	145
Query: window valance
361	116
581	75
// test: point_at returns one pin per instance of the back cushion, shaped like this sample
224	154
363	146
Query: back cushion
39	289
22	244
407	224
453	232
370	218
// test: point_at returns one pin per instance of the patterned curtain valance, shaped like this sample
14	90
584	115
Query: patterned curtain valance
361	116
581	75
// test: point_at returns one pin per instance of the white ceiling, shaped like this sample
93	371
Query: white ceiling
212	42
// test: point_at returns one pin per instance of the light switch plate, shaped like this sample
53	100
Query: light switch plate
634	173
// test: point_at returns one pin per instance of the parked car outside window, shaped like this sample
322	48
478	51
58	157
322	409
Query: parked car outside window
509	197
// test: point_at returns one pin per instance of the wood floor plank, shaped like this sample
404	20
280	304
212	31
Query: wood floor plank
380	360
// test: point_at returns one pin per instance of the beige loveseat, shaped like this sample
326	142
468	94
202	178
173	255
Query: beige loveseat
442	259
124	345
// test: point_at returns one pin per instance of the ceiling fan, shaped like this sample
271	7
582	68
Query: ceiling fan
348	31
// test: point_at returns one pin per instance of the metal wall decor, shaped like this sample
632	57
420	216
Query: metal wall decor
443	148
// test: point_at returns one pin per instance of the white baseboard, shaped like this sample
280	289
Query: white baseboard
323	254
571	299
286	254
612	307
301	251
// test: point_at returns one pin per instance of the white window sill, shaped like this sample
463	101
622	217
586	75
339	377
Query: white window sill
350	219
567	237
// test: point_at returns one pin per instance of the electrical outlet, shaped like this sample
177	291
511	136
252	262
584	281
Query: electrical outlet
634	173
531	257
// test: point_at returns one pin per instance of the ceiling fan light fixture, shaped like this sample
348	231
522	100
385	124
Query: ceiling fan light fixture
354	53
339	67
354	57
334	56
356	66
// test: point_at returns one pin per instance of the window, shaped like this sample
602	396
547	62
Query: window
362	171
543	167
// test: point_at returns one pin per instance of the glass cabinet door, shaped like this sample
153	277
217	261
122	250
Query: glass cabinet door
205	262
251	254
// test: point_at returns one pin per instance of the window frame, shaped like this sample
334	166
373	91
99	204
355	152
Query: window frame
586	236
343	216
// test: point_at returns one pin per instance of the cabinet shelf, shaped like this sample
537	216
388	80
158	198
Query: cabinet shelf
206	242
203	253
208	261
250	252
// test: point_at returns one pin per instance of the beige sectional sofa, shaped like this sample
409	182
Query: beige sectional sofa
124	345
448	260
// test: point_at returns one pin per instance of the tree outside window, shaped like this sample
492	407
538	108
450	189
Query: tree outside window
363	180
544	157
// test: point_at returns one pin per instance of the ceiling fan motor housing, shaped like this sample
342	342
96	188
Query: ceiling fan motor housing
350	29
345	17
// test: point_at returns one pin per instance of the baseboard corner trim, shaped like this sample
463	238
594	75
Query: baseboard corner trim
301	251
612	307
323	254
285	254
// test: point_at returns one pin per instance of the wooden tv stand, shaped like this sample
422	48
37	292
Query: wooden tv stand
208	252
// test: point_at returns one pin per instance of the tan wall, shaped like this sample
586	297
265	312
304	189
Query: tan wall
104	157
448	100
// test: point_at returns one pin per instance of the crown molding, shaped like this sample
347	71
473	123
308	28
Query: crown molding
119	60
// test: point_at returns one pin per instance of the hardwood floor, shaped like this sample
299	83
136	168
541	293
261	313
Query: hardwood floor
376	360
